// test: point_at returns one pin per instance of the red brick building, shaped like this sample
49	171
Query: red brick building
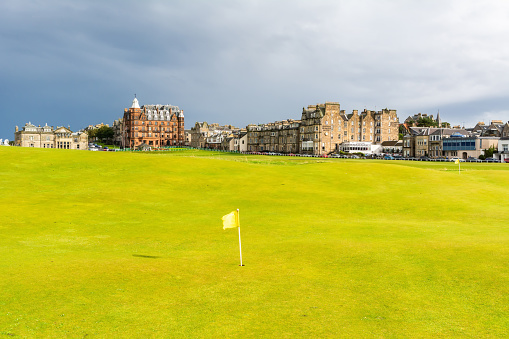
153	125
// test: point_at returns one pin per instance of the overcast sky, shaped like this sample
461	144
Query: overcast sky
80	62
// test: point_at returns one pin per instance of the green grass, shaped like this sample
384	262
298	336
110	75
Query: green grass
105	244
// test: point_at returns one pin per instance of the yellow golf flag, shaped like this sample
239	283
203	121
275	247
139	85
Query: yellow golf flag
231	220
457	161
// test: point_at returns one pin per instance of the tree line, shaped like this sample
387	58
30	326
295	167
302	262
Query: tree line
102	134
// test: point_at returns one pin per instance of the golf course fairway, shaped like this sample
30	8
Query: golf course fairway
131	245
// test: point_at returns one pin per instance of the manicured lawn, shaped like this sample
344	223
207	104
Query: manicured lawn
119	244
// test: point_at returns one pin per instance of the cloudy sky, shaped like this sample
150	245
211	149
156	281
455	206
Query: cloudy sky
80	62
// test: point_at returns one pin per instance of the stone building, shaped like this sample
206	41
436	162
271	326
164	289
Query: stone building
153	125
322	129
205	135
461	146
494	129
279	137
319	128
428	141
48	137
235	142
118	132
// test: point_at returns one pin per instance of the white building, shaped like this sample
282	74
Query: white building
366	148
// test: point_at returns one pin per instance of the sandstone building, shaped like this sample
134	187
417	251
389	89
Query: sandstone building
48	137
205	135
153	125
322	129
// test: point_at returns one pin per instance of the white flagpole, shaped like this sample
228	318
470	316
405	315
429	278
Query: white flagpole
240	244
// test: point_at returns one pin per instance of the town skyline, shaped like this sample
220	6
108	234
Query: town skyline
245	63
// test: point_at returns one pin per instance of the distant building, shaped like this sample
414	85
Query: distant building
323	128
427	141
494	129
48	137
392	147
118	132
279	137
153	125
235	142
503	148
205	135
187	137
319	128
445	142
467	146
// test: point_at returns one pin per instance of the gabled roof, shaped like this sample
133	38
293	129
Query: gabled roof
62	129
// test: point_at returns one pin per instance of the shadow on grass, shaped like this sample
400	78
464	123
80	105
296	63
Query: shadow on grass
146	256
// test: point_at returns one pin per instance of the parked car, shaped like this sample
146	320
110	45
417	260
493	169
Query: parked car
472	159
388	157
492	160
459	159
506	160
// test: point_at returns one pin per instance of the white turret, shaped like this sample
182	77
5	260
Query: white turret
135	103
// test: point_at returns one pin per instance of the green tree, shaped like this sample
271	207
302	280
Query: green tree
91	133
104	133
488	153
426	122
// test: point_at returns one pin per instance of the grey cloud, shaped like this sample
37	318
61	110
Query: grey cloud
251	61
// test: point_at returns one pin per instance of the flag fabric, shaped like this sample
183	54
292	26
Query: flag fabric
457	161
231	220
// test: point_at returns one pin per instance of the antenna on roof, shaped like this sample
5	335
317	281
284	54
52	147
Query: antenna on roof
135	95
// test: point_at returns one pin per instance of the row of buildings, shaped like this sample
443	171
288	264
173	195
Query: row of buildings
149	125
322	129
50	137
457	142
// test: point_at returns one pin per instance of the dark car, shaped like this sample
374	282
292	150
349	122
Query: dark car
492	160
